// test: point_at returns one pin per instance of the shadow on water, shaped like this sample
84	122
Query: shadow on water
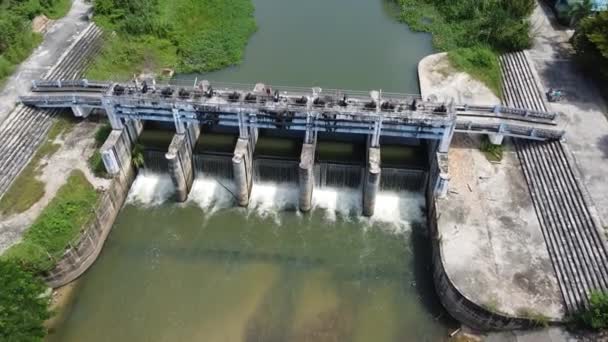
423	275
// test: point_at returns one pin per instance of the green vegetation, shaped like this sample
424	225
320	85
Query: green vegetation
591	45
186	35
137	156
95	162
59	225
17	40
473	31
481	63
26	190
596	315
537	318
492	152
23	309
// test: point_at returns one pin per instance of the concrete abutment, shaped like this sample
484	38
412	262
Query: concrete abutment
371	185
306	176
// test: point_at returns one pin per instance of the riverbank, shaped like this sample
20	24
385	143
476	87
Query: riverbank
184	36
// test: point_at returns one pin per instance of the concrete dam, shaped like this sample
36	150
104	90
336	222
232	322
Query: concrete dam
311	116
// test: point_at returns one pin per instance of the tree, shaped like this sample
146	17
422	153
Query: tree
579	11
22	308
591	44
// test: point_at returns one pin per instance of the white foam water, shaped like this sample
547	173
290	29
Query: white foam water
150	189
397	210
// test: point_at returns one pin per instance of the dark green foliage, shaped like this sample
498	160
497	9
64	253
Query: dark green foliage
102	134
500	24
591	45
59	225
16	37
596	315
187	35
22	308
492	152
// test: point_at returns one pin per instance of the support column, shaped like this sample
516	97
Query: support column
181	161
242	161
116	152
306	176
81	112
371	183
496	139
443	176
115	121
446	139
242	164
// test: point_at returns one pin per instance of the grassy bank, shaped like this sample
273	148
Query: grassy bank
17	41
26	190
184	35
474	32
59	225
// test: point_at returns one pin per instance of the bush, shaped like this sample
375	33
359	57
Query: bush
153	34
500	24
102	134
591	45
596	315
22	308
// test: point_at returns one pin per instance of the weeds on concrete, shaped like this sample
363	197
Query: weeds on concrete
26	189
57	227
492	152
595	316
537	318
95	161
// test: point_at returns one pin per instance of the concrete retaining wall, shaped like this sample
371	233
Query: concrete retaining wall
82	254
456	304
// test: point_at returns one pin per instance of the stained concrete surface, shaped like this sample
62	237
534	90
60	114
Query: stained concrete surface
57	39
491	240
492	244
439	80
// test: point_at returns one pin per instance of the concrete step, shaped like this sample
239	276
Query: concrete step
573	238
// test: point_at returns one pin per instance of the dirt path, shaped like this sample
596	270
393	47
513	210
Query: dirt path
57	39
76	148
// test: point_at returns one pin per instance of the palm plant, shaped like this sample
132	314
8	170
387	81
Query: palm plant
580	10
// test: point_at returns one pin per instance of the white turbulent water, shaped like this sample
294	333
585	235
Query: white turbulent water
397	209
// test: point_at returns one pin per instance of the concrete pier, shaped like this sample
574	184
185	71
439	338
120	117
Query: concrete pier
496	139
242	164
371	183
306	176
116	152
181	161
81	112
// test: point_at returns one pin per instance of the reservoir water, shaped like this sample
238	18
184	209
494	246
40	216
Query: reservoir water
206	270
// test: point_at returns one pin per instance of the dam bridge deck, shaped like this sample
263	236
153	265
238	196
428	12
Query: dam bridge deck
308	109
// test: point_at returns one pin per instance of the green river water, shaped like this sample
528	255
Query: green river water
208	271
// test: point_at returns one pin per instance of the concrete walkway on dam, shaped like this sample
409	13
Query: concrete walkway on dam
59	36
583	106
491	243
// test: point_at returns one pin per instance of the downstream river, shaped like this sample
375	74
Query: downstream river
208	271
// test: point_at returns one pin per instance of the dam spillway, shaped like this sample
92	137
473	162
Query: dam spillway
337	163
